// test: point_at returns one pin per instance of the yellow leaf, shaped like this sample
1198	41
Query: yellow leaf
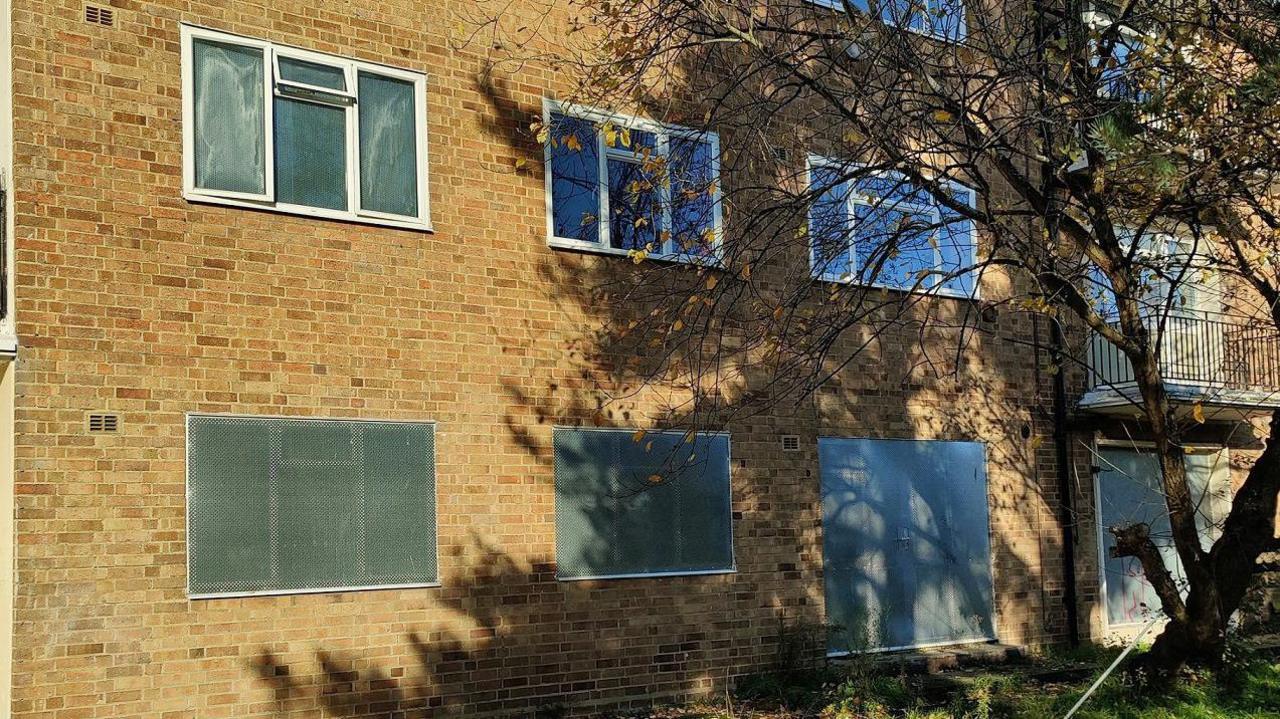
712	281
610	134
639	435
1197	412
679	325
655	479
1036	441
942	116
746	272
521	163
573	143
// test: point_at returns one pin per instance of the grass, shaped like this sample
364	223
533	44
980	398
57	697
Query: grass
1250	690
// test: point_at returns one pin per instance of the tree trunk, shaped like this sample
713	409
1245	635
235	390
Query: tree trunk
1248	531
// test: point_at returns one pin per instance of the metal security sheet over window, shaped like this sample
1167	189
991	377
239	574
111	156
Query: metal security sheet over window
293	505
1129	492
879	229
623	185
906	543
630	505
280	128
944	19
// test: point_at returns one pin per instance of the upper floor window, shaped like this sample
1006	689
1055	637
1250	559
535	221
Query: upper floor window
1120	72
1172	274
619	184
943	19
880	229
280	128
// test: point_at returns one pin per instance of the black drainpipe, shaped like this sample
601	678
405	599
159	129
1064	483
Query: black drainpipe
1067	503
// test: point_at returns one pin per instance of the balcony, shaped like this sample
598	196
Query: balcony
1228	364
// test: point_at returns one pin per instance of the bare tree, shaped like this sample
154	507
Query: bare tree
1112	157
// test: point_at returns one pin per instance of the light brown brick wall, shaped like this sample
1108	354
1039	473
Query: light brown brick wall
138	302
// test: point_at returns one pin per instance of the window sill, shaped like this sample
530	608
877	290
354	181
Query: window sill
948	294
649	575
313	212
294	592
561	243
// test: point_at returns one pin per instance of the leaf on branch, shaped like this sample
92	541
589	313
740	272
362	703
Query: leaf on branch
1197	412
941	115
638	436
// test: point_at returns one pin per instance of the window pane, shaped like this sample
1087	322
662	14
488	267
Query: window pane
635	209
388	146
311	155
830	227
311	73
228	123
279	505
944	18
958	246
895	245
612	519
575	179
691	165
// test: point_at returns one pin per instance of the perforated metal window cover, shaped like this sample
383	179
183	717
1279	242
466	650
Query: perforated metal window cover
627	436
262	423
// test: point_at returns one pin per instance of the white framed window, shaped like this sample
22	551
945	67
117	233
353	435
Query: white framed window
618	185
943	19
879	229
291	130
1120	74
1172	273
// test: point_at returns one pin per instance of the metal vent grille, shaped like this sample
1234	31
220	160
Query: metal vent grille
291	505
659	505
104	422
99	15
790	443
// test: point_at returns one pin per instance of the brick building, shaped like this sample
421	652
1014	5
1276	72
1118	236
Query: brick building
215	241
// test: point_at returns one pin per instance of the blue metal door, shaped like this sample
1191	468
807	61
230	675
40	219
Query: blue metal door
906	545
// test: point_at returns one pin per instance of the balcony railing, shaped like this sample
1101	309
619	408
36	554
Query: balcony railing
1200	350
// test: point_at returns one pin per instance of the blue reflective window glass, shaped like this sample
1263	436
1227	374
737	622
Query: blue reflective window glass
575	178
830	224
693	195
896	245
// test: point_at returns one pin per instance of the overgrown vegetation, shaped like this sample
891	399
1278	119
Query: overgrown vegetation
1247	689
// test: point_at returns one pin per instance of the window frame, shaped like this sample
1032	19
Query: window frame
962	31
858	199
733	549
272	84
662	133
186	527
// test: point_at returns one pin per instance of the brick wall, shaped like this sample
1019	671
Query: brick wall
135	301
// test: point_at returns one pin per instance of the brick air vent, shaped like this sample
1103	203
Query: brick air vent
99	15
790	443
102	422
